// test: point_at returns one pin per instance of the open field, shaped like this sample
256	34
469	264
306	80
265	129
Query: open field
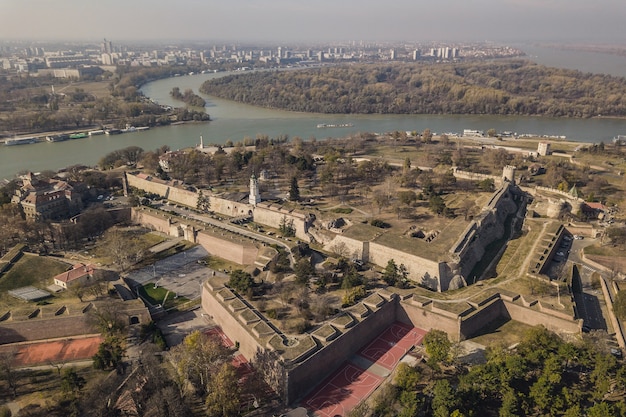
32	270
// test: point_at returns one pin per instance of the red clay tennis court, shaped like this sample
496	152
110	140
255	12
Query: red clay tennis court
391	345
342	391
57	351
350	384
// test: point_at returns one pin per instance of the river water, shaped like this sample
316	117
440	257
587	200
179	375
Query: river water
234	121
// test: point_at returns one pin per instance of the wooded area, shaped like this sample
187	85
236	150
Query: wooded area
510	87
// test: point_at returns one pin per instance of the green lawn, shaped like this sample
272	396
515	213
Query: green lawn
161	295
32	270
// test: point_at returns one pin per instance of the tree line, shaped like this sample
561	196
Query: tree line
509	87
29	105
188	97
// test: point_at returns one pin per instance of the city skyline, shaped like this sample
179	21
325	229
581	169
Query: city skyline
298	21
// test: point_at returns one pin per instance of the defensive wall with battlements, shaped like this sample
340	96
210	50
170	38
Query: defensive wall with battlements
312	356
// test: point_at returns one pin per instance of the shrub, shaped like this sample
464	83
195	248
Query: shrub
380	223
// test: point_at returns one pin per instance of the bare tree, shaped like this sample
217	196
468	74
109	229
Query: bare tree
8	372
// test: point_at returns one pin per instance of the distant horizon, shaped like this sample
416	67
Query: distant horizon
293	21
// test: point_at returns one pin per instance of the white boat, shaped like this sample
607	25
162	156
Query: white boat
20	141
323	125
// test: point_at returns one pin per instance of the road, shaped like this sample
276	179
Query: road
186	213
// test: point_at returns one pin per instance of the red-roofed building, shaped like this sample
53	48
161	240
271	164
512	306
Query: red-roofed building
47	198
79	274
594	210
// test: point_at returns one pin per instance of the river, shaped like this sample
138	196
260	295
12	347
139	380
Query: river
234	121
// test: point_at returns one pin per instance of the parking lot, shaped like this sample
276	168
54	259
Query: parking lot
180	273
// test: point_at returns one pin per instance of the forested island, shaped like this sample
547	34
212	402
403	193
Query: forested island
188	97
510	87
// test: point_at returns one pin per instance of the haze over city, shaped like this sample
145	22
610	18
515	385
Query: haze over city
323	20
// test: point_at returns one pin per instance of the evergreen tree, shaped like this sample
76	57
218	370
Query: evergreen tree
294	191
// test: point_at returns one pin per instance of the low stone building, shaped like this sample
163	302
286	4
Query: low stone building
80	274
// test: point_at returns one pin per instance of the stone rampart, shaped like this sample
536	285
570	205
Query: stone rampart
535	314
216	307
228	207
474	176
352	247
417	266
229	247
264	213
488	227
274	215
418	311
226	245
340	349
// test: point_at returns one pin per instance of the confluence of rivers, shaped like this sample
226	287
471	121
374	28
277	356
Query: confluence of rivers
235	121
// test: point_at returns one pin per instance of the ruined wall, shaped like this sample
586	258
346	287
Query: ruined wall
229	247
323	362
474	176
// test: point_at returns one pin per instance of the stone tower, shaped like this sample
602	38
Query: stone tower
255	196
508	173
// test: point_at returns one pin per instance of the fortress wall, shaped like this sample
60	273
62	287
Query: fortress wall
228	247
535	317
235	330
184	197
466	175
353	247
149	186
152	220
411	312
272	216
474	322
228	208
323	362
416	266
489	227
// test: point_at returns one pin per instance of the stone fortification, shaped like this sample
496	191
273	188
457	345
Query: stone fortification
227	245
447	270
274	215
422	270
486	228
271	215
305	358
313	356
474	176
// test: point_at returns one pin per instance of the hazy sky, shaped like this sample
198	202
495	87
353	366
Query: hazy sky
315	20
